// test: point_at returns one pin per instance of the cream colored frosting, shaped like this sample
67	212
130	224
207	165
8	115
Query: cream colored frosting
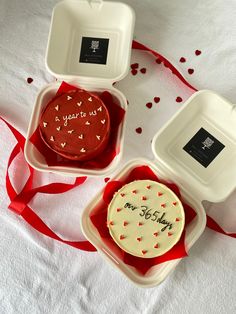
145	218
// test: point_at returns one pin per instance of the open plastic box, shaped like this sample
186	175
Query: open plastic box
196	150
89	46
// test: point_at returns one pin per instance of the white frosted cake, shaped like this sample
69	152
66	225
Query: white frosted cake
145	218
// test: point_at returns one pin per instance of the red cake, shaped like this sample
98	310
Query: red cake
76	125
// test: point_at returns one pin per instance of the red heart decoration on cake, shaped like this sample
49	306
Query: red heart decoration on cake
156	99
149	105
197	52
178	99
139	130
190	71
182	60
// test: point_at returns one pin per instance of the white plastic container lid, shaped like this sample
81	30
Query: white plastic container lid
90	40
197	147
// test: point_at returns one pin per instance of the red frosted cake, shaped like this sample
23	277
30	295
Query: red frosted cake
76	125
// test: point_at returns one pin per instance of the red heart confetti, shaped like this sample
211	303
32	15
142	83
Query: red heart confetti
143	70
156	99
158	61
134	71
134	65
29	80
197	52
106	179
139	130
149	105
190	71
182	60
178	99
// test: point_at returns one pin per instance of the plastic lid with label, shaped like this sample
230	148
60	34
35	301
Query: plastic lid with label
90	40
198	146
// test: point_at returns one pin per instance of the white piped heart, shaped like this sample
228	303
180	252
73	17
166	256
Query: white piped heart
69	98
83	150
59	128
98	137
81	136
52	139
87	123
99	109
103	121
90	99
57	119
71	131
57	107
45	124
63	145
79	103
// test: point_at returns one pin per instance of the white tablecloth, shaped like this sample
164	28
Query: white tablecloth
39	275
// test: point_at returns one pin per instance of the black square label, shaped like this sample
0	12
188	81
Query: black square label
94	50
204	147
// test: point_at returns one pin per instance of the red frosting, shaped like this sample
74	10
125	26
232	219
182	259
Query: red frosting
76	125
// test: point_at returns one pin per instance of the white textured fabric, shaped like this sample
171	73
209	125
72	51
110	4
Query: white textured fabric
39	275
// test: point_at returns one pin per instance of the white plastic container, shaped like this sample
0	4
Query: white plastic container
78	29
196	180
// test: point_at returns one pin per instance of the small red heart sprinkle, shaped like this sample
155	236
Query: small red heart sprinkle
143	70
134	191
170	234
118	210
174	203
156	99
182	60
144	198
139	130
190	71
159	194
156	246
125	223
163	205
149	105
197	52
122	194
158	61
144	252
122	237
111	223
139	239
134	71
155	234
134	66
178	99
148	187
140	224
106	179
29	80
177	219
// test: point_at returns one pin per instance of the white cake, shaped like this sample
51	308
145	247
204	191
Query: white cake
145	218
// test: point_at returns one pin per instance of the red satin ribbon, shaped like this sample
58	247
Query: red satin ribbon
19	201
